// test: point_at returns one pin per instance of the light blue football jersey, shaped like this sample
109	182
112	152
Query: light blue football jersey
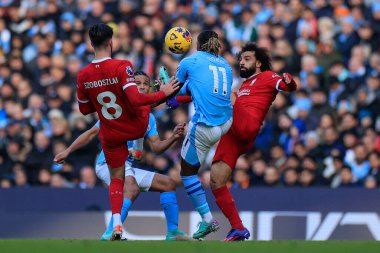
208	78
151	131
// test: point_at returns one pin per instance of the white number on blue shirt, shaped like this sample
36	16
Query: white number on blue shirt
214	70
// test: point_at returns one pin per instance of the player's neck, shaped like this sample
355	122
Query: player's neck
101	54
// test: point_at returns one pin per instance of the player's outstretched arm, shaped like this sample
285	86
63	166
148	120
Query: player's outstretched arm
139	99
287	83
159	146
79	142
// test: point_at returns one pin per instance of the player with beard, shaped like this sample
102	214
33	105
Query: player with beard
252	103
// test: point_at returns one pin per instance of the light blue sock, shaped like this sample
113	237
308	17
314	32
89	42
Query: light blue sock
124	213
168	201
197	196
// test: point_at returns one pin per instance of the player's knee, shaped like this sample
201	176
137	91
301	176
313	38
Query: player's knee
131	189
218	177
117	173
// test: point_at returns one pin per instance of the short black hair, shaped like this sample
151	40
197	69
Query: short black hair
261	54
141	73
100	34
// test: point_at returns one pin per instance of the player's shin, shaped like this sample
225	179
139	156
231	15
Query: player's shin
220	174
168	201
116	199
226	203
197	196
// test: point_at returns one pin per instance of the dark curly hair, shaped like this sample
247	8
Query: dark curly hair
261	54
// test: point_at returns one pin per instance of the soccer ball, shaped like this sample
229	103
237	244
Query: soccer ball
178	40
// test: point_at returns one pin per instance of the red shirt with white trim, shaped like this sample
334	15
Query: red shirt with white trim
258	92
108	87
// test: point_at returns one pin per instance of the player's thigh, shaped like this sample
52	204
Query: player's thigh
102	173
144	179
162	183
199	140
189	151
115	155
229	149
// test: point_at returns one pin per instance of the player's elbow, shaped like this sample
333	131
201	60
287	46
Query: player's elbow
83	110
86	109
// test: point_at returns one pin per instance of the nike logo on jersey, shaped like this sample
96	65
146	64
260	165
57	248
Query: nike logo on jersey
253	81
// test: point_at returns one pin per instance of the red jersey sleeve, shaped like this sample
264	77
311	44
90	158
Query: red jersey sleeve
129	87
184	99
85	105
280	84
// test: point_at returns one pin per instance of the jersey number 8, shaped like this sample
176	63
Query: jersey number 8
117	110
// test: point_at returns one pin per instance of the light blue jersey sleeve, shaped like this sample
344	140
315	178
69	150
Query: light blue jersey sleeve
152	127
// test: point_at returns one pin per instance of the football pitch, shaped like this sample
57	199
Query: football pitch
58	246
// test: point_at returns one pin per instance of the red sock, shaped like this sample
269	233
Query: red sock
226	203
116	195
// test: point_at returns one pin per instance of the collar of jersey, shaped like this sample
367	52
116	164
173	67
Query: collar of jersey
100	60
253	75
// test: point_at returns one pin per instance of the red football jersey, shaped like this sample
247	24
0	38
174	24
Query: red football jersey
107	86
258	92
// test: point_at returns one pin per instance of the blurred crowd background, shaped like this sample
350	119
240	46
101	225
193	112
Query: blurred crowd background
325	134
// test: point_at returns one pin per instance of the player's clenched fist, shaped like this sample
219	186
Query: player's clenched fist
288	78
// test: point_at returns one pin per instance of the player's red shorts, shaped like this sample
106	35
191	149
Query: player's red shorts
114	142
239	139
115	155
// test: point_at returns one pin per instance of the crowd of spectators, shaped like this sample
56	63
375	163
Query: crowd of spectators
324	134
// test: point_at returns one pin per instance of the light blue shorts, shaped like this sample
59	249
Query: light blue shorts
199	139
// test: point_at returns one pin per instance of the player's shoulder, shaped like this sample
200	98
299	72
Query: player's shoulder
270	75
120	63
123	65
225	62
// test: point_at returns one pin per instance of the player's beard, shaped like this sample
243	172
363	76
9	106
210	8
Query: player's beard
247	72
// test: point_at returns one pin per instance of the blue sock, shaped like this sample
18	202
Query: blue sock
197	196
124	213
168	201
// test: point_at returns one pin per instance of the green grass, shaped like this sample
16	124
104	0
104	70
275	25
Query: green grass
72	246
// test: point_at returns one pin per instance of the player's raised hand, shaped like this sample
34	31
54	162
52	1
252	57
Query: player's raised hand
179	130
61	157
288	78
172	86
